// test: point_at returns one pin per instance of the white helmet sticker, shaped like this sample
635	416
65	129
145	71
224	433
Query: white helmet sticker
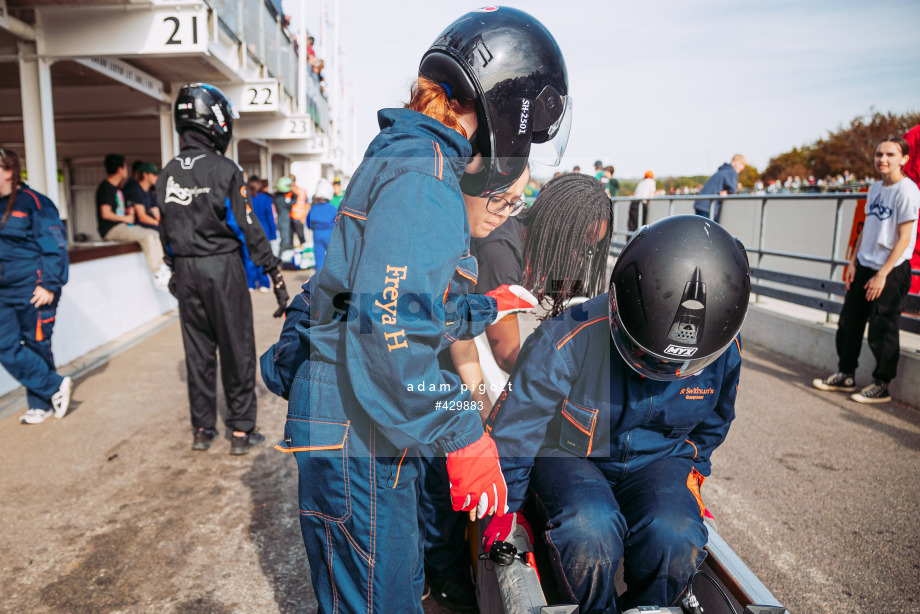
677	350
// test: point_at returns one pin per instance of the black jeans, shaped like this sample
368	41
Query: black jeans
633	222
883	315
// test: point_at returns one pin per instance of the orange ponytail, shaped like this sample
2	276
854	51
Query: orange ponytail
430	98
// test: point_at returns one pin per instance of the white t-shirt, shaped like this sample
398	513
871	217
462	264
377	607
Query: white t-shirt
887	208
645	188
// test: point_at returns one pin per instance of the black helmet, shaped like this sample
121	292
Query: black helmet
678	296
205	108
510	65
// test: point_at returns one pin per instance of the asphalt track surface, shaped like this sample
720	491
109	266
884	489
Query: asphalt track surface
109	510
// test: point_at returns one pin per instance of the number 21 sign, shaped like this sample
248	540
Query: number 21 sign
178	32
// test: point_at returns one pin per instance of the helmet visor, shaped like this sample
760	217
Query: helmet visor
232	110
645	362
549	144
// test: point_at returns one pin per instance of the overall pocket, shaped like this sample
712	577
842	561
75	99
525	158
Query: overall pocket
321	449
576	429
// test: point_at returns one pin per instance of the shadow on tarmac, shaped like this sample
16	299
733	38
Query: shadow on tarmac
274	530
851	411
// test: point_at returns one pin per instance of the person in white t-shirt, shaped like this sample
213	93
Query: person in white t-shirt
878	277
645	189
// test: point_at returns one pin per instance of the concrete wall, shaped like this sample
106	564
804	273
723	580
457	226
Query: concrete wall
103	300
812	343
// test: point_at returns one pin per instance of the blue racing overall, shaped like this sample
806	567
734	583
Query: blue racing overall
33	252
357	359
613	460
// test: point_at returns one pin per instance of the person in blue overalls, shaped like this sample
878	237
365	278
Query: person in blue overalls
361	373
256	279
33	268
320	220
558	252
613	412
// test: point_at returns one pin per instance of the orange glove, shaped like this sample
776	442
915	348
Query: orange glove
476	480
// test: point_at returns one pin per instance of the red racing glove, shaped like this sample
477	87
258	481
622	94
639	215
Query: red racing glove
476	480
512	299
501	527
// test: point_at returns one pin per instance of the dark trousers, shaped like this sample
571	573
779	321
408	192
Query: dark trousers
25	346
216	315
703	210
633	223
284	226
297	228
443	530
883	316
651	518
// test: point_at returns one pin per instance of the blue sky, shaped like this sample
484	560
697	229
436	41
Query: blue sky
675	87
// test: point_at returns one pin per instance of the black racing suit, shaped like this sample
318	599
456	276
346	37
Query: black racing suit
193	193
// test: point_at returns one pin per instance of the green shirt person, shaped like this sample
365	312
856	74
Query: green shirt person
337	194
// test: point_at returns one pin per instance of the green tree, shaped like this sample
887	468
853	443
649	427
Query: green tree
679	183
849	147
748	176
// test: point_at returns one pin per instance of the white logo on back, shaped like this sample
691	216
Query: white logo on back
175	193
188	163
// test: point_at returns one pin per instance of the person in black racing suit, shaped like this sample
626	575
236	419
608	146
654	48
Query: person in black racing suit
194	192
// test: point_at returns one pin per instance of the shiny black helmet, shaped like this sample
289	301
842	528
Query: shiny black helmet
205	108
510	65
678	296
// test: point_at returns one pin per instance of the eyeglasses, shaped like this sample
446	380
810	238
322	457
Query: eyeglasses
497	204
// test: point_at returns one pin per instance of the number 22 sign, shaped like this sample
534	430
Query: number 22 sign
258	96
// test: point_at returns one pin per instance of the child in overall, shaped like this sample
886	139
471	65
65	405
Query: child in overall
614	409
557	252
373	319
33	258
320	220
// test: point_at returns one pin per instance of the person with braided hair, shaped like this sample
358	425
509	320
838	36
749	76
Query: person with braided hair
33	262
566	241
556	250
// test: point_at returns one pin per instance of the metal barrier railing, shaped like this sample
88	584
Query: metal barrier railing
746	216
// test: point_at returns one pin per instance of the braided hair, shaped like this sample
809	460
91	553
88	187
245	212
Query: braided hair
563	256
9	161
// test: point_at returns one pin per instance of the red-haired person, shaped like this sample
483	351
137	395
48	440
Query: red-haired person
361	371
33	258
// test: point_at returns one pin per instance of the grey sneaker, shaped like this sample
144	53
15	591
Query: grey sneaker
875	392
841	382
